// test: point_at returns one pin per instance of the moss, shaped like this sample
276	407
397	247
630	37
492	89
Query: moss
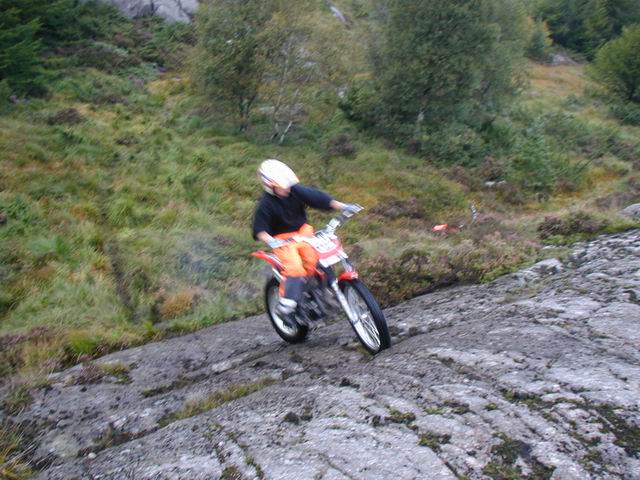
181	382
457	407
433	441
216	399
231	473
592	456
252	463
627	436
119	370
435	410
498	471
504	456
396	416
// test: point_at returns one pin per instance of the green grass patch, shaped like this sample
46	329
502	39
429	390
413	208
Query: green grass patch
18	399
433	441
13	464
217	399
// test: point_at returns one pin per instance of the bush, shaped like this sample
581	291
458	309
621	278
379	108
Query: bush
617	65
359	103
429	76
490	257
95	87
536	167
455	144
572	225
341	146
105	56
540	42
481	258
628	113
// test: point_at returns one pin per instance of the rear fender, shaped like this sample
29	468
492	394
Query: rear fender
270	258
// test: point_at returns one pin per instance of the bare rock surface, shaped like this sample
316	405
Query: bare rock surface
632	211
172	10
536	375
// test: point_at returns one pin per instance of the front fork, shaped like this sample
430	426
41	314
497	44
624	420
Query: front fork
353	316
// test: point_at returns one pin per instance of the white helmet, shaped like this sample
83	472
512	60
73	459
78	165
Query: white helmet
274	173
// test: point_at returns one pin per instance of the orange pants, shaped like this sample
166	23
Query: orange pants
299	259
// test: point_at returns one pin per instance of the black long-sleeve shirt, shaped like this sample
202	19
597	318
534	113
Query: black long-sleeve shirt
276	215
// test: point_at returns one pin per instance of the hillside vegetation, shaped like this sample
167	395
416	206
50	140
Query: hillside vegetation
126	196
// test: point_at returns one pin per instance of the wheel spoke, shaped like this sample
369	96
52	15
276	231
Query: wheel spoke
365	325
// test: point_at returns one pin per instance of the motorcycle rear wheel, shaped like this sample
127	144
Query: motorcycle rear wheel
371	328
271	298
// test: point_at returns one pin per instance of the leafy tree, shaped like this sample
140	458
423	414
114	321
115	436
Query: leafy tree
251	51
617	65
441	62
235	46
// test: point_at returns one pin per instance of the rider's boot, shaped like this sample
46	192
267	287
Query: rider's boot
287	312
293	289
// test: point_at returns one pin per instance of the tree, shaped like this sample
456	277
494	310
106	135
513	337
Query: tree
292	68
585	25
20	63
617	65
268	51
57	18
539	41
306	68
235	46
445	61
598	26
566	19
27	27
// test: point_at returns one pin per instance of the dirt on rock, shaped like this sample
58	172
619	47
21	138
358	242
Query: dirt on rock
535	375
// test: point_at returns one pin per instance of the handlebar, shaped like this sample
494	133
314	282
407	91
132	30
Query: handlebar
329	228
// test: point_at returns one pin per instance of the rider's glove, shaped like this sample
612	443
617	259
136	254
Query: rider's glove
351	209
275	243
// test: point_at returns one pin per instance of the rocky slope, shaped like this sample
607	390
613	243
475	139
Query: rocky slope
173	10
182	10
536	375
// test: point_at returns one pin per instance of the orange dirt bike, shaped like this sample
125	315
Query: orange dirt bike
328	292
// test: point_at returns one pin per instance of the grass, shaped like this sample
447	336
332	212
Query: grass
95	372
18	399
128	203
13	465
216	399
505	455
433	441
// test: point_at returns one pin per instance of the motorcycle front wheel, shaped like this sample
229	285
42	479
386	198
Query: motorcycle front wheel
296	334
370	325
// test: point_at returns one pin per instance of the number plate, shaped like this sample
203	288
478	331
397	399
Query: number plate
332	260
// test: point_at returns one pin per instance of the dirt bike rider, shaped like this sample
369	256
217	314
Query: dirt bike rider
281	215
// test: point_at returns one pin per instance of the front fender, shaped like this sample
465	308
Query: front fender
346	276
